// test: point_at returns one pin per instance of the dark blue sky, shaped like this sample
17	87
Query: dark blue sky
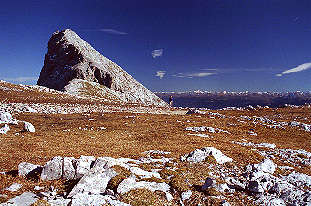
232	45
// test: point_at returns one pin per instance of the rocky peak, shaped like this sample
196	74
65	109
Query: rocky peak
69	57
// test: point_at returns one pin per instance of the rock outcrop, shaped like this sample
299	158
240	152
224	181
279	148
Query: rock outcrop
69	58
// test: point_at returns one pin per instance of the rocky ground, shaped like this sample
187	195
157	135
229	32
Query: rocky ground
68	149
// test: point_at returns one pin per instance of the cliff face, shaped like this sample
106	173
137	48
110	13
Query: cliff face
69	58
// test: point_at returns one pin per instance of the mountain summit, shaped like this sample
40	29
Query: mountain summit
71	64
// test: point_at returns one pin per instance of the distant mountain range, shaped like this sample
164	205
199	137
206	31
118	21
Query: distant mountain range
218	100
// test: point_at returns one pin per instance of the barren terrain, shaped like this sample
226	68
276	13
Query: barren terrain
100	129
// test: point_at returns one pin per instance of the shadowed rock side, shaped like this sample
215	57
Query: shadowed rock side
69	57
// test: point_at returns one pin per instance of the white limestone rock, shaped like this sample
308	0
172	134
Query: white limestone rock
186	195
52	170
25	199
59	202
200	155
69	171
131	184
144	174
27	169
83	199
14	187
5	117
299	179
29	127
95	181
267	166
4	129
79	60
83	165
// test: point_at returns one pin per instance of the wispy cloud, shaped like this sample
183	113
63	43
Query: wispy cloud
20	79
113	31
157	53
160	74
192	75
299	68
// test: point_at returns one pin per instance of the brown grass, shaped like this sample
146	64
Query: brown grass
59	134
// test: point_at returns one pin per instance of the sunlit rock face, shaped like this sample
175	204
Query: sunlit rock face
69	57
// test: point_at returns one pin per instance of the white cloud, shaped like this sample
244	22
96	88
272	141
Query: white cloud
160	74
196	74
157	53
299	68
20	79
113	31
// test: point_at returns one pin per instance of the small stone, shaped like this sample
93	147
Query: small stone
186	195
208	183
29	127
5	117
14	187
4	129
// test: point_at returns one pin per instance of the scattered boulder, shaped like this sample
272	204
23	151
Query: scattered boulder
194	111
130	184
94	182
14	187
200	155
267	166
5	117
83	165
69	168
26	169
4	129
29	127
84	199
25	199
53	169
186	195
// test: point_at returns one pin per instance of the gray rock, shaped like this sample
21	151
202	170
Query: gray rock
69	171
29	127
186	195
4	129
131	184
255	186
83	199
14	187
209	182
59	202
266	166
25	199
69	57
83	165
299	179
94	182
5	117
200	155
52	170
26	169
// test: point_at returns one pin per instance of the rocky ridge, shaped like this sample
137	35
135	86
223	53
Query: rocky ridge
70	59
